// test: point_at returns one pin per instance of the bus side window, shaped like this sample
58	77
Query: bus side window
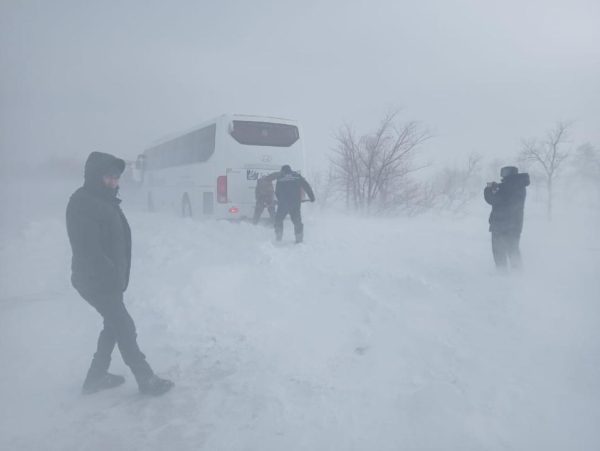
206	142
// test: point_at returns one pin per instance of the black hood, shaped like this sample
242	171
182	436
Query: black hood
521	179
99	164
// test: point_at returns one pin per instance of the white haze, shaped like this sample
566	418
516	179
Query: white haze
117	76
377	333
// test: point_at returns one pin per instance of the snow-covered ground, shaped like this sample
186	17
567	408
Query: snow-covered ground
376	334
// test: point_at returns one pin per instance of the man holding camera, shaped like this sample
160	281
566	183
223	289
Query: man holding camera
507	199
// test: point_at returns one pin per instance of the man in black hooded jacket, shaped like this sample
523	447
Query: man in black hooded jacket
288	189
100	239
506	219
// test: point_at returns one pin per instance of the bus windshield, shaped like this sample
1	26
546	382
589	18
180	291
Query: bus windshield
253	133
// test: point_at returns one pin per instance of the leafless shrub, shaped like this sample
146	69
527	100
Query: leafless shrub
548	154
323	185
372	170
455	187
586	163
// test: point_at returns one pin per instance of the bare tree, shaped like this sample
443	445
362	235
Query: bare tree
548	154
372	168
323	185
586	171
410	197
455	187
586	163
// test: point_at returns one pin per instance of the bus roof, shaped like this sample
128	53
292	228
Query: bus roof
231	116
258	118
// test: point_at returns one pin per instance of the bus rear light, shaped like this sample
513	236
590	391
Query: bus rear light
234	210
222	189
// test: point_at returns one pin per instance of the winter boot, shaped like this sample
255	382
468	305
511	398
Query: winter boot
103	382
155	386
299	238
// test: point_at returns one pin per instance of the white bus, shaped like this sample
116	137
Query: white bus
211	171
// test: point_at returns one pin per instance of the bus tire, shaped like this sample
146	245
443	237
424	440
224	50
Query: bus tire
186	206
150	202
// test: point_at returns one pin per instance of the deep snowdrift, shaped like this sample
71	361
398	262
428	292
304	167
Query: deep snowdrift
375	334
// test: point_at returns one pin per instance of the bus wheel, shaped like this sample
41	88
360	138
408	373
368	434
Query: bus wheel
150	202
186	206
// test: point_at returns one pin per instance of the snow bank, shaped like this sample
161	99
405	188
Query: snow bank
374	334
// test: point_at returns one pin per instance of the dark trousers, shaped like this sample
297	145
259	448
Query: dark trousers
119	329
260	207
294	212
505	247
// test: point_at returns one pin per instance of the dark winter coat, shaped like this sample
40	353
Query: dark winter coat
264	189
98	231
507	200
289	189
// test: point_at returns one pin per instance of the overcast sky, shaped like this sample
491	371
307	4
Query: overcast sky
115	76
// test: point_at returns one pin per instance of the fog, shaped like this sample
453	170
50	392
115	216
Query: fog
117	77
390	327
